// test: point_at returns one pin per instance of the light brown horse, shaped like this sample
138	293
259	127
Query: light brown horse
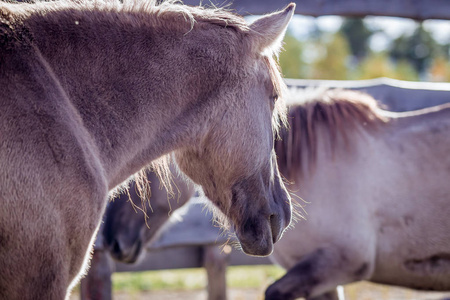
127	228
91	92
377	187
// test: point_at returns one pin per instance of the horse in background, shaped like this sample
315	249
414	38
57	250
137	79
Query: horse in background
130	223
129	227
376	191
94	91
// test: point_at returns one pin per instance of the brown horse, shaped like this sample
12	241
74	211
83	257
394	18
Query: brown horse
93	91
127	229
377	189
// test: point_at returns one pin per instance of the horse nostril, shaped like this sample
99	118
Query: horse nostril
116	247
275	226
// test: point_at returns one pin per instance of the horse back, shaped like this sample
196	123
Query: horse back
423	136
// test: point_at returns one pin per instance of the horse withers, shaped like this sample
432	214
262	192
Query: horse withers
376	186
93	91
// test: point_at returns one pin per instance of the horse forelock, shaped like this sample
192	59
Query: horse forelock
338	112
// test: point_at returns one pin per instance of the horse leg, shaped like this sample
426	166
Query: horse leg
44	245
32	259
317	274
97	284
331	295
40	264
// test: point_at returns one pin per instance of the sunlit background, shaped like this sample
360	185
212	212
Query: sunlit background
333	47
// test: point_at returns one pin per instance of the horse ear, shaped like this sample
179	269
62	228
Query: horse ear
268	31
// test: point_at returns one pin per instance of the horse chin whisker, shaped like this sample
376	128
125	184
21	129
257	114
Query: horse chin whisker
236	245
298	210
286	181
232	241
219	218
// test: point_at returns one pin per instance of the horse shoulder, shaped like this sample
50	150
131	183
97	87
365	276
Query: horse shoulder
50	166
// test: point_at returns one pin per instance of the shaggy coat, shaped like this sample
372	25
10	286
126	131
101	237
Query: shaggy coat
92	92
376	191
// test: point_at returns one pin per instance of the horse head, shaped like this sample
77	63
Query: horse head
127	231
235	162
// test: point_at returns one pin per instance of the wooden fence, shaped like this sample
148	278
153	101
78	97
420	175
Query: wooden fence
414	9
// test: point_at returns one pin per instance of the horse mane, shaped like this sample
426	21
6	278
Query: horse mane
169	12
167	15
339	112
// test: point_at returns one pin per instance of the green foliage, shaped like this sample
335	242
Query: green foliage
346	55
379	65
194	279
253	276
357	35
405	71
159	280
332	63
440	69
418	49
290	59
376	65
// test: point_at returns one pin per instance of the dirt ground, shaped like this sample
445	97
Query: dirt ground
357	291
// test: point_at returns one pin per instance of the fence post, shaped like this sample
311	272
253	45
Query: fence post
215	261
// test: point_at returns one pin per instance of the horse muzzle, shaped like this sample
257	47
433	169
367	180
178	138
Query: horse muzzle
123	253
257	235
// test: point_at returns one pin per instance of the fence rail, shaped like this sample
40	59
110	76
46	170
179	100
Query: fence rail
414	9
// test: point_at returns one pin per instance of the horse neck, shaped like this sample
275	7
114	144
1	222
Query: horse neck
129	84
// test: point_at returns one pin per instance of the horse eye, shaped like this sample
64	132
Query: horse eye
274	98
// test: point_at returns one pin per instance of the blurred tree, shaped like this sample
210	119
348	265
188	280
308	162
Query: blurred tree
375	65
347	55
332	64
405	71
357	35
418	49
290	59
440	69
380	65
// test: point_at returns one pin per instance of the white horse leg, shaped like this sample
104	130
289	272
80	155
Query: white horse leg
317	274
331	295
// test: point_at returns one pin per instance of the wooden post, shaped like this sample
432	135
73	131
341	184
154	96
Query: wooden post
215	261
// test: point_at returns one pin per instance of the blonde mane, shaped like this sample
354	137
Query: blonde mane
339	112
